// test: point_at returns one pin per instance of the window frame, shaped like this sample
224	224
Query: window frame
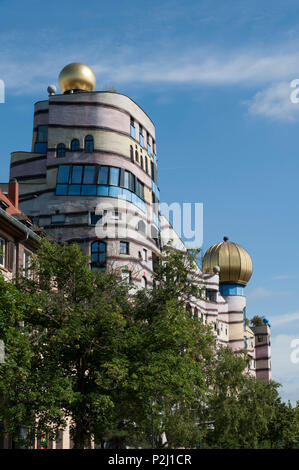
3	242
88	140
126	246
72	144
60	149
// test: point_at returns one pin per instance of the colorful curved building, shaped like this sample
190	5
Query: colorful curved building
91	177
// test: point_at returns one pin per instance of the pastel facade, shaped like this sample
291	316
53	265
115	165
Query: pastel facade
68	183
91	178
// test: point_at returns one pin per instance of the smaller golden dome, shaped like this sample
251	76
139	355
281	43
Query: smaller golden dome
77	76
234	261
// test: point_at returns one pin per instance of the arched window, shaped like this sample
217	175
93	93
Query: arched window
136	156
75	145
98	256
61	150
131	154
141	161
144	282
88	144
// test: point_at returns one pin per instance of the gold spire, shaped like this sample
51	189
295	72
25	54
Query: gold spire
77	76
234	262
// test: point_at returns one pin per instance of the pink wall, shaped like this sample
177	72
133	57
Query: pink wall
90	116
30	168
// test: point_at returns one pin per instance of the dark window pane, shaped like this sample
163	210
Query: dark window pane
124	248
103	190
60	150
94	218
74	189
132	182
89	174
139	189
75	145
40	147
77	173
89	190
61	189
42	134
89	146
103	176
126	180
63	174
95	247
114	176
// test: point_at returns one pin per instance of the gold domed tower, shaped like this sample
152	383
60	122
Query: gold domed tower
233	260
76	76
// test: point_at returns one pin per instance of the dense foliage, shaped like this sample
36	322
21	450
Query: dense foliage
125	365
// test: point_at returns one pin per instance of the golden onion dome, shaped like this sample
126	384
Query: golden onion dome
77	76
234	261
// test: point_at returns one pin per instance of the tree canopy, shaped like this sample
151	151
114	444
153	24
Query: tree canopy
124	365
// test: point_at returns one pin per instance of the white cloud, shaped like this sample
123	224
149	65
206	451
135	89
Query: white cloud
28	68
274	102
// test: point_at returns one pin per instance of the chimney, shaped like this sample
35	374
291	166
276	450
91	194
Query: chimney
13	192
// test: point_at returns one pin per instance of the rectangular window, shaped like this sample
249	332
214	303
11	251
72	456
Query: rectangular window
42	134
77	172
2	252
116	215
103	175
126	180
89	174
58	219
141	138
131	182
94	218
61	189
40	147
74	189
11	256
88	190
144	254
63	174
26	263
139	189
114	176
124	248
132	128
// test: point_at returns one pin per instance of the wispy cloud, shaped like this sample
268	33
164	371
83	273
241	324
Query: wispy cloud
283	319
282	277
26	68
274	102
262	292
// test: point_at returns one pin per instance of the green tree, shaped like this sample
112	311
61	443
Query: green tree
168	354
240	407
76	328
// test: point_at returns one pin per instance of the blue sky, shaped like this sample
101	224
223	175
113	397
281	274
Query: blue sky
215	78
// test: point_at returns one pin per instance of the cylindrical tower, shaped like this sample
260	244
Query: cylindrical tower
235	271
91	176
